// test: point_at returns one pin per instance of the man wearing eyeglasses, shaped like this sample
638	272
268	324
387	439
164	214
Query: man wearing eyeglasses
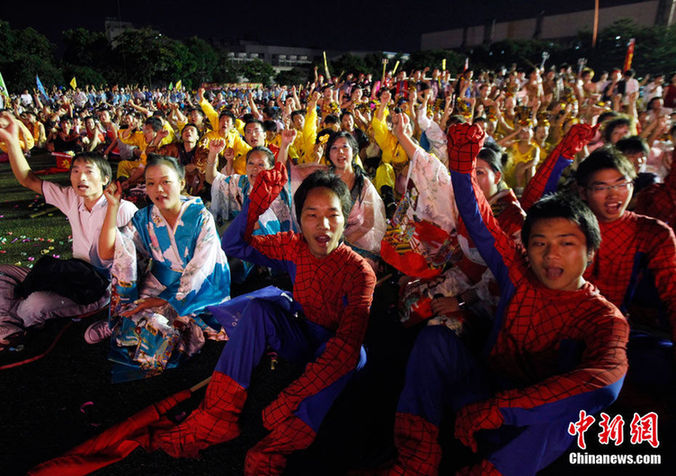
635	267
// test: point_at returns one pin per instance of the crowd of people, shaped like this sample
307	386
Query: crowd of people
526	218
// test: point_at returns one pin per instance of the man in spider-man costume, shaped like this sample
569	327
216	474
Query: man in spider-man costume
323	325
556	346
636	263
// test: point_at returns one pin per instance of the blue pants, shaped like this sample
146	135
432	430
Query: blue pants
266	323
443	374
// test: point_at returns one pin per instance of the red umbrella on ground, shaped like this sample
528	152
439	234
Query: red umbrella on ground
117	442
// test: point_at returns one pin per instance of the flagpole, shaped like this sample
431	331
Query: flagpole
596	23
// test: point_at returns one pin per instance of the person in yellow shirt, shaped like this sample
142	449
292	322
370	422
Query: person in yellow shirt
153	133
26	140
394	160
524	155
297	122
304	144
194	116
541	137
214	117
272	137
233	140
36	128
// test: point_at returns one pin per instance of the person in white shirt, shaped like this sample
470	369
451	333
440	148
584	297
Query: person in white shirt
85	206
26	98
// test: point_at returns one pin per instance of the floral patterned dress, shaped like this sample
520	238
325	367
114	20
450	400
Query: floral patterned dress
185	267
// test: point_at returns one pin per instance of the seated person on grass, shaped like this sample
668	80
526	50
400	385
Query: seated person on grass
229	192
556	347
84	205
154	318
184	150
322	326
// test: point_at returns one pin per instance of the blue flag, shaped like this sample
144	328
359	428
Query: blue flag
41	88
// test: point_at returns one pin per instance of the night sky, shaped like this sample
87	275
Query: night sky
341	25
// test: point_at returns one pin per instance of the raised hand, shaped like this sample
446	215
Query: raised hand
216	146
314	97
577	137
9	130
113	194
399	123
464	143
288	136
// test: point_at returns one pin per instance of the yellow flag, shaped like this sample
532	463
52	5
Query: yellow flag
178	85
73	83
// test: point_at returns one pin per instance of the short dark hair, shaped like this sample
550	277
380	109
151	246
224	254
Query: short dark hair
632	145
228	114
298	112
157	159
567	206
651	103
606	157
606	116
97	159
191	124
330	119
268	154
323	179
154	122
254	121
269	126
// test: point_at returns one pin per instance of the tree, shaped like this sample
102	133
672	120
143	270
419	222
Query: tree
434	58
227	71
26	53
147	56
348	64
292	77
206	60
86	48
256	71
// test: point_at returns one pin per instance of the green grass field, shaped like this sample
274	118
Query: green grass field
29	228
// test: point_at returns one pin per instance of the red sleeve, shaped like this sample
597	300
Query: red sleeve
661	254
659	200
547	177
341	352
498	250
269	183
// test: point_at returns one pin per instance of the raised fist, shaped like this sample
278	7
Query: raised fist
578	136
464	143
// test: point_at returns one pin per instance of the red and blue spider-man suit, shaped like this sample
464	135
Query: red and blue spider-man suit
323	326
634	269
549	355
659	200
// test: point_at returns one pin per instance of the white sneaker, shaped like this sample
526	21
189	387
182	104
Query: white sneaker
97	332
